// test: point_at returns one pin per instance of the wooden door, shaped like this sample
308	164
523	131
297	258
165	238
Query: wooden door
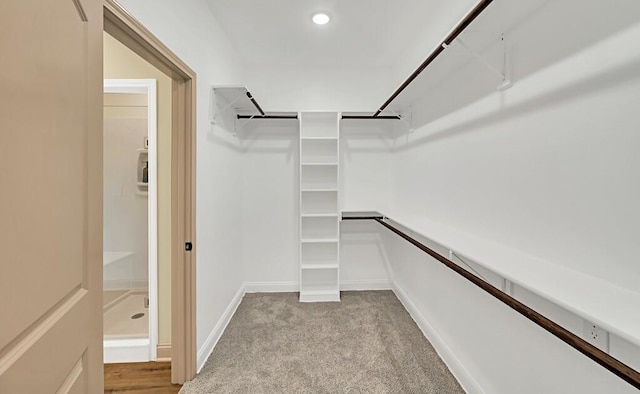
51	196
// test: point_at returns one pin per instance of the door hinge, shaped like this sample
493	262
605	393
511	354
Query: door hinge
188	246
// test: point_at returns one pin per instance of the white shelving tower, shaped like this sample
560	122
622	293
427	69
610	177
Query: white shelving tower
319	219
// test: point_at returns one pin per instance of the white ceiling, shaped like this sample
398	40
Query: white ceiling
362	33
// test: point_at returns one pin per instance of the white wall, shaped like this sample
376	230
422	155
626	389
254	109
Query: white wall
548	168
190	30
366	158
366	171
449	14
125	212
270	201
490	348
285	88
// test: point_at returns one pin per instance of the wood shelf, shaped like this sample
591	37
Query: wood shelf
319	266
320	190
319	215
318	240
319	138
586	296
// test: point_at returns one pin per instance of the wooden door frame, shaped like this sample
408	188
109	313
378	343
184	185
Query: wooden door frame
126	29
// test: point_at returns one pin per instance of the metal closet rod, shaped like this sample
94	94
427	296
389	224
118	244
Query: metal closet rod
395	117
618	368
264	116
255	103
471	16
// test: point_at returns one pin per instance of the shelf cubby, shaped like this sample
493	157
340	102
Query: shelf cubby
319	253
320	280
319	151
319	177
319	203
319	228
318	124
142	188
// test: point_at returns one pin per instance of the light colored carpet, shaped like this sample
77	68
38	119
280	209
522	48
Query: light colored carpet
367	343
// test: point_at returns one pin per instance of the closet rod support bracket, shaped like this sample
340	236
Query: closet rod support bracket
215	112
402	119
502	74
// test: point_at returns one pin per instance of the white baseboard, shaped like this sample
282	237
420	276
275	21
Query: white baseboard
126	350
355	285
216	333
292	287
320	296
271	287
468	383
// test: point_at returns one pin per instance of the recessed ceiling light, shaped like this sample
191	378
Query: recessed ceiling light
320	18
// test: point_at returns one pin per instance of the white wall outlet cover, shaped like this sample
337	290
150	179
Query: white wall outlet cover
596	336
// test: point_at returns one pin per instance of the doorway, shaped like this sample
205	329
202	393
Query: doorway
130	232
123	27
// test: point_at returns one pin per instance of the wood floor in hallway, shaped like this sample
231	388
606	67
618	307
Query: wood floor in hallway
152	377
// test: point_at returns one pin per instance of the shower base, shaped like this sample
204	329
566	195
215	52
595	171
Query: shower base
126	326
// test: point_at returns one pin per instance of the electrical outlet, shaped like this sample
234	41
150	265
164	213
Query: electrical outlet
596	336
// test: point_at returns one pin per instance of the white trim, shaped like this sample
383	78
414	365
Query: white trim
373	284
294	287
125	350
147	86
466	380
272	287
205	351
320	296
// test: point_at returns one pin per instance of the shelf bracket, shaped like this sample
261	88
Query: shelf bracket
453	254
235	130
508	287
402	119
246	121
502	74
214	105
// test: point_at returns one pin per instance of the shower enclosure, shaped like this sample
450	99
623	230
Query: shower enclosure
130	223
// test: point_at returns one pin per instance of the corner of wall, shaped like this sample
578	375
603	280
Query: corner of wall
212	339
466	380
